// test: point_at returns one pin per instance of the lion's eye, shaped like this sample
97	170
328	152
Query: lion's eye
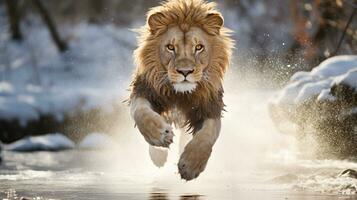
170	47
199	47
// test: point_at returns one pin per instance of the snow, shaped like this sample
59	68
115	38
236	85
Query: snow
49	142
38	80
311	89
328	184
6	88
325	95
335	66
298	76
96	141
304	86
350	78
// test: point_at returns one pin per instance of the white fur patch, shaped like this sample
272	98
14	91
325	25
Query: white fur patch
185	87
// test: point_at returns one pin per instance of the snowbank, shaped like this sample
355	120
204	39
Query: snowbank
93	73
306	85
321	102
49	142
96	141
38	84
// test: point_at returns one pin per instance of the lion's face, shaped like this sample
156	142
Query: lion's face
183	47
185	56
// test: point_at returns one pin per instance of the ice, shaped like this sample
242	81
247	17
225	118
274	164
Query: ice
49	142
96	141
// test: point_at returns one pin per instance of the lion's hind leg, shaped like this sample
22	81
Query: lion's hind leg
184	139
158	155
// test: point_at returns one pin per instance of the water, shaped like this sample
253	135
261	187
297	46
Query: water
251	160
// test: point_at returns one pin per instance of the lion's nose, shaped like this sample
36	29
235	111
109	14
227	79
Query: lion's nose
185	72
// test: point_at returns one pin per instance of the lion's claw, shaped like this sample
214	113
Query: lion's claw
155	129
166	138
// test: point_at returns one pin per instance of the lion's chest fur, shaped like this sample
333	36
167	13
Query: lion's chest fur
193	108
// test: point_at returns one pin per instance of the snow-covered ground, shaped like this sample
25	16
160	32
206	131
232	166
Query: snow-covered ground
93	73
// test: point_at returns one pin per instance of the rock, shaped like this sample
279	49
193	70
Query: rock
25	198
321	106
49	142
348	173
287	178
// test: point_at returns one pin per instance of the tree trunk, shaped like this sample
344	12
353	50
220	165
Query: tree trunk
61	45
14	19
95	9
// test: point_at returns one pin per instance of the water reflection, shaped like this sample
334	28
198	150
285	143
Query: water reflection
158	196
190	197
166	196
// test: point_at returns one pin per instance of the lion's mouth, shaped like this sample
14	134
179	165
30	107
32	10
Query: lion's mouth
185	86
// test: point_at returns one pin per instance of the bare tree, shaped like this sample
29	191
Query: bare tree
61	44
322	28
14	19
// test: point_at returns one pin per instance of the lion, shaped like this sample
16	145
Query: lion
183	53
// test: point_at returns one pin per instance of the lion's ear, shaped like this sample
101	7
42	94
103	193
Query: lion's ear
213	23
155	22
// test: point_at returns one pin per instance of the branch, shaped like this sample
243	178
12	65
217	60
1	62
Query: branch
61	45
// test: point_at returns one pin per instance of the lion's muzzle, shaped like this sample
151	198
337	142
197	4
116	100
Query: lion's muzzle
185	72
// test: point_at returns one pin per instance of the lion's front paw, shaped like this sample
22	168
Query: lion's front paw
194	159
155	129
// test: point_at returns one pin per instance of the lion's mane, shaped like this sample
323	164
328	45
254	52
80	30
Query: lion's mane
149	82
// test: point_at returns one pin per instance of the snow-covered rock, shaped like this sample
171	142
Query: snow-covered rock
322	103
305	85
49	142
96	141
335	66
348	173
349	78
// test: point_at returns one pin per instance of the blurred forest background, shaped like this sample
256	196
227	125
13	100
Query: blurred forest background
65	65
